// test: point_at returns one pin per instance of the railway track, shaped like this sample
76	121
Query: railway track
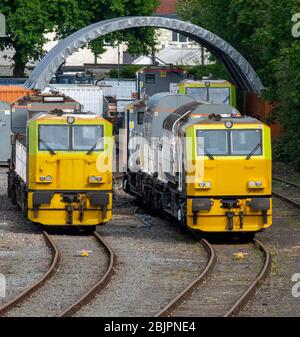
220	290
55	261
70	282
289	191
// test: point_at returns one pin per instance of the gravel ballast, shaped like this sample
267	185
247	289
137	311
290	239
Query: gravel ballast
75	276
156	260
275	298
24	254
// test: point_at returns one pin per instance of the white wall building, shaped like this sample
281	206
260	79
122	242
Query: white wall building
173	48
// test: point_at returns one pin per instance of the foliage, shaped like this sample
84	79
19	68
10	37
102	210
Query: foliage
261	31
26	22
287	72
125	72
215	70
29	20
140	41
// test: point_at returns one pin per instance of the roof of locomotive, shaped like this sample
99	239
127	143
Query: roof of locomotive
170	121
217	109
42	98
241	120
167	101
196	110
57	117
203	82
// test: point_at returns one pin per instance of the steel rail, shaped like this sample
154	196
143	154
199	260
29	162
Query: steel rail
241	302
250	292
169	308
286	199
286	182
283	197
100	285
54	266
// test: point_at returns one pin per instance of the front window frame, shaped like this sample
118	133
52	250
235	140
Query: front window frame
229	143
40	126
70	139
207	91
84	150
209	150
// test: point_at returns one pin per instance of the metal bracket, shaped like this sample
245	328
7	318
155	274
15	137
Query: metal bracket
241	216
69	209
229	216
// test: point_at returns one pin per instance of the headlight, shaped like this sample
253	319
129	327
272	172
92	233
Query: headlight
205	185
208	184
259	184
228	124
45	179
70	119
255	184
252	184
95	179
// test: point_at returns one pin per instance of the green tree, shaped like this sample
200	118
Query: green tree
28	20
140	41
261	31
287	73
128	72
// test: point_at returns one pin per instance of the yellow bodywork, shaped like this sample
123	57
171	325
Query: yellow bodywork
183	87
228	177
69	172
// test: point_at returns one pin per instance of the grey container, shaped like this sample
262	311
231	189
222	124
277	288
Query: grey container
5	132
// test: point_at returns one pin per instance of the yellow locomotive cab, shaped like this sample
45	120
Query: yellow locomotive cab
66	174
230	188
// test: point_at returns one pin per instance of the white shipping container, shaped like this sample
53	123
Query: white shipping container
21	159
121	89
89	96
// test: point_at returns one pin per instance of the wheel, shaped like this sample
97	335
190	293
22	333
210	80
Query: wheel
25	207
181	215
13	196
8	186
126	187
8	191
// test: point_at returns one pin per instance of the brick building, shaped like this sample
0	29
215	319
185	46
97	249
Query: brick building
166	7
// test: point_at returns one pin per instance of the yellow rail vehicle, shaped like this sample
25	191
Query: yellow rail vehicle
232	190
212	91
203	164
61	172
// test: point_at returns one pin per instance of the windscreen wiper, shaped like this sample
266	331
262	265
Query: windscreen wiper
227	99
257	146
209	155
52	152
91	150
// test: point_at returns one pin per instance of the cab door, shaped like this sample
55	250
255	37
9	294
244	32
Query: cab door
5	132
